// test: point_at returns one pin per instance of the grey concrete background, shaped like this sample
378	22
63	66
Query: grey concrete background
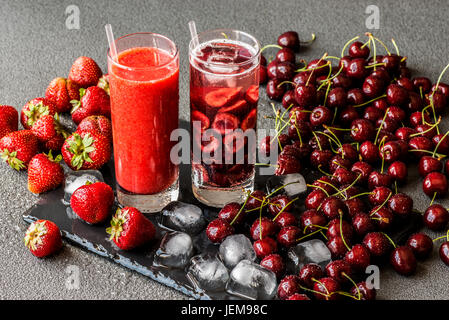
36	46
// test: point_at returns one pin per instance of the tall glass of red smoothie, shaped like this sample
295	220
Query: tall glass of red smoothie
224	92
144	90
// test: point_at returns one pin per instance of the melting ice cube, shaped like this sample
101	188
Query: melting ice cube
175	250
295	184
312	251
207	272
236	248
75	179
185	217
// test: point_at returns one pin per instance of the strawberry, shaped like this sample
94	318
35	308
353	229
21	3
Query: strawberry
44	173
43	238
93	101
86	150
93	202
61	91
103	83
130	228
49	131
34	109
9	118
96	124
85	72
18	147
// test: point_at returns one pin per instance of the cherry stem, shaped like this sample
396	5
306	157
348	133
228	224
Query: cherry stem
341	232
314	226
439	142
360	194
309	41
375	65
348	187
370	101
313	291
270	46
383	203
389	239
241	209
347	44
383	44
327	93
284	82
439	79
318	187
433	198
317	140
428	129
395	46
441	156
313	70
442	237
374	49
381	124
336	140
359	295
308	235
329	184
283	208
323	172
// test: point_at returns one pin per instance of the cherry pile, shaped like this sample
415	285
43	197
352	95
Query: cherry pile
359	124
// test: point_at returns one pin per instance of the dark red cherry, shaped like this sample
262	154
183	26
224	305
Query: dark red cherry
403	133
381	104
326	289
416	118
278	203
319	67
398	171
298	296
339	270
272	69
285	71
347	115
356	68
404	71
426	130
442	88
274	263
263	75
435	183
421	245
304	77
263	60
289	39
392	62
264	247
383	217
373	86
299	113
396	114
358	257
308	273
321	158
363	292
288	286
348	151
379	195
436	217
362	224
218	230
354	205
262	228
363	169
286	55
314	199
390	151
406	83
428	164
305	95
337	98
438	100
288	236
342	81
403	260
372	114
401	204
255	200
444	252
355	96
325	183
285	219
320	115
319	141
443	146
344	63
334	229
415	103
378	179
397	95
288	99
419	144
358	50
310	219
337	247
230	211
422	84
362	130
377	244
333	207
369	152
275	91
287	164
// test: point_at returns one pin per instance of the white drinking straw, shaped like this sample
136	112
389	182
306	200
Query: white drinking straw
193	33
111	41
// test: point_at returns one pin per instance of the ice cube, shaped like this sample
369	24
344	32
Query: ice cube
75	179
175	250
251	281
180	216
236	248
295	185
312	251
207	272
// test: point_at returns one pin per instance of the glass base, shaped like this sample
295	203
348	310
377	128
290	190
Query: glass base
217	197
149	203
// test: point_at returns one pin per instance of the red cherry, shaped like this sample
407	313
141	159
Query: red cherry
420	143
379	195
308	273
362	130
286	219
326	289
218	230
397	95
314	199
428	164
398	171
362	224
288	286
383	217
278	203
305	95
274	263
355	206
298	296
421	245
363	291
436	217
286	55
444	252
255	200
289	39
378	179
264	247
403	260
435	183
262	228
334	229
339	270
357	50
337	247
403	133
358	257
369	152
229	212
363	169
401	204
288	236
333	207
377	244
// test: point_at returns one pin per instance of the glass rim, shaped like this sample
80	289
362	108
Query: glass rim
122	66
251	60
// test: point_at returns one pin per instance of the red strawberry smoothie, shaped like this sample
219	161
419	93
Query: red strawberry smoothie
144	104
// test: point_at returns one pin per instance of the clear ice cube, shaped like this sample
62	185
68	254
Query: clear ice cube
295	184
236	248
75	179
312	251
251	281
175	250
181	216
207	272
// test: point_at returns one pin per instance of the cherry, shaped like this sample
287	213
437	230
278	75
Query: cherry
426	130
308	273
403	260
421	245
288	99
298	296
378	179
428	164
387	125
287	164
319	67
218	230
334	229
362	224
333	207
348	151
255	199
288	286
304	150
263	75
272	69
358	257
416	118
279	202
355	206
230	211
263	60
342	81
288	236
337	247
326	289
305	95
289	39
363	291
443	146
285	70
264	247
372	114
314	199
344	62
274	90
274	263
442	88
302	127
262	228
338	270
321	158
381	104
337	98
373	86
319	141
420	143
297	113
392	62
404	71
401	204
363	169
406	83
422	84
436	217
362	130
301	78
403	133
357	50
377	244
379	195
285	219
320	115
398	171
382	216
286	55
444	252
435	183
396	114
348	114
438	100
355	96
356	68
415	103
343	176
397	95
325	183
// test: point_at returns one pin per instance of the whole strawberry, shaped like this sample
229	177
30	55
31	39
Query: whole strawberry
103	83
18	147
44	173
34	109
43	238
86	150
61	91
9	118
130	228
96	124
85	72
93	202
93	101
50	132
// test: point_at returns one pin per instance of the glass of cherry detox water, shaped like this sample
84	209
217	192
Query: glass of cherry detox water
224	91
144	90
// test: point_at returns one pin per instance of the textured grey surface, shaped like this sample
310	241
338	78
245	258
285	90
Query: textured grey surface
36	46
